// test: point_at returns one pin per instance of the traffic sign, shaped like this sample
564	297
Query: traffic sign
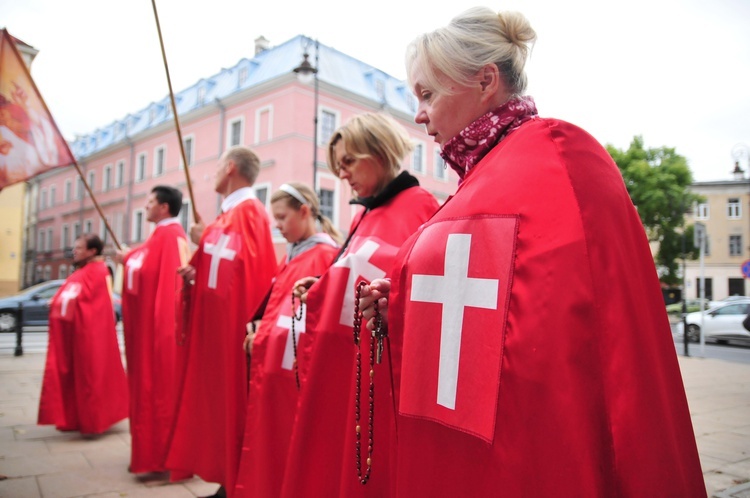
746	268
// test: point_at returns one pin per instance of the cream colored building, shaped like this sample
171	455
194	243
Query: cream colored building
726	215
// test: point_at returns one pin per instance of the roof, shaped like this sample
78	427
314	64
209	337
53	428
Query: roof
335	68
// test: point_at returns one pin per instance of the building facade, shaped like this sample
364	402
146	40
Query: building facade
259	103
726	216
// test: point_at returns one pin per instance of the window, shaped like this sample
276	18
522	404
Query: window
40	240
103	232
79	188
327	126
326	203
735	245
736	286
76	230
107	178
140	170
52	195
440	171
65	239
68	190
159	161
137	225
732	309
235	132
702	211
62	272
709	287
119	173
88	226
417	158
188	142
734	209
49	239
43	199
185	215
47	272
263	124
90	179
261	192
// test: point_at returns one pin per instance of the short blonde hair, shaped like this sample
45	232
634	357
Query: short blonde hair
245	160
374	135
473	39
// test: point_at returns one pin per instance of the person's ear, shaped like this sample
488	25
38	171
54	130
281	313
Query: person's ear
489	79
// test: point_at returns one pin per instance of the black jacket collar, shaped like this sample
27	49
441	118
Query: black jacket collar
402	182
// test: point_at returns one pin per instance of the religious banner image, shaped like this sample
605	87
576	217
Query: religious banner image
30	142
460	275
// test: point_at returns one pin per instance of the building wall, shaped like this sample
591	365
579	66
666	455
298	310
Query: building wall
277	123
722	224
11	237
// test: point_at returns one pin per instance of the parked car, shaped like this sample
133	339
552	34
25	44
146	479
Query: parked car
721	324
35	303
693	305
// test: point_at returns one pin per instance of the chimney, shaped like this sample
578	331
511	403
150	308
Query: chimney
739	173
261	44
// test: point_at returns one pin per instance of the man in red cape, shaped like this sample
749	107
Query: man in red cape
148	314
537	356
84	386
232	272
322	460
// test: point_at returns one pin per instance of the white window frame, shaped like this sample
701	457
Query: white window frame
68	194
418	144
702	211
43	199
119	173
735	207
269	192
739	245
62	271
65	236
47	272
258	113
189	151
40	239
52	195
439	169
163	149
323	140
88	226
50	235
186	214
230	124
80	189
137	237
76	231
91	179
336	195
140	172
107	178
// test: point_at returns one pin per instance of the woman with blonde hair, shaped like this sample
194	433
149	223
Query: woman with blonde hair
367	152
525	370
274	378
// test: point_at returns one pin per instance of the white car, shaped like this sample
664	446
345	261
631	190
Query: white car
722	323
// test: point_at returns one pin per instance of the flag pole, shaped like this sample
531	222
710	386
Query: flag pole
98	208
186	167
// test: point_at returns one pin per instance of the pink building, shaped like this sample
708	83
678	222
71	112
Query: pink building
259	103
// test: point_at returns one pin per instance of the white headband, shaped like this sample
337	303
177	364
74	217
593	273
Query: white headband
294	193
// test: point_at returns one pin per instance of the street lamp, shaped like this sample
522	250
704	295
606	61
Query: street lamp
305	72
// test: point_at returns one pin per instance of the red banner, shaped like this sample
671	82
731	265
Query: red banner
30	142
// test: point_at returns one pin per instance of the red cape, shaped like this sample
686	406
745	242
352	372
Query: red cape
234	264
149	297
273	388
544	364
321	454
84	386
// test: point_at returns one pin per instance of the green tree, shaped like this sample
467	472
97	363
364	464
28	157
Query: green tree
658	181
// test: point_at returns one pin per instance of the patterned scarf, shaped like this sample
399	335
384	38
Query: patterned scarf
466	149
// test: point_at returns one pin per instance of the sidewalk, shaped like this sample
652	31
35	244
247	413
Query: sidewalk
42	462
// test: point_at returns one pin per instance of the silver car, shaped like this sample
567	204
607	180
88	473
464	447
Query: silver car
722	323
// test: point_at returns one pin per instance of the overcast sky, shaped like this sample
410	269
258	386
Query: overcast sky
676	72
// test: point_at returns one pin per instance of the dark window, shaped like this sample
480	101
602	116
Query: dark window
326	203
